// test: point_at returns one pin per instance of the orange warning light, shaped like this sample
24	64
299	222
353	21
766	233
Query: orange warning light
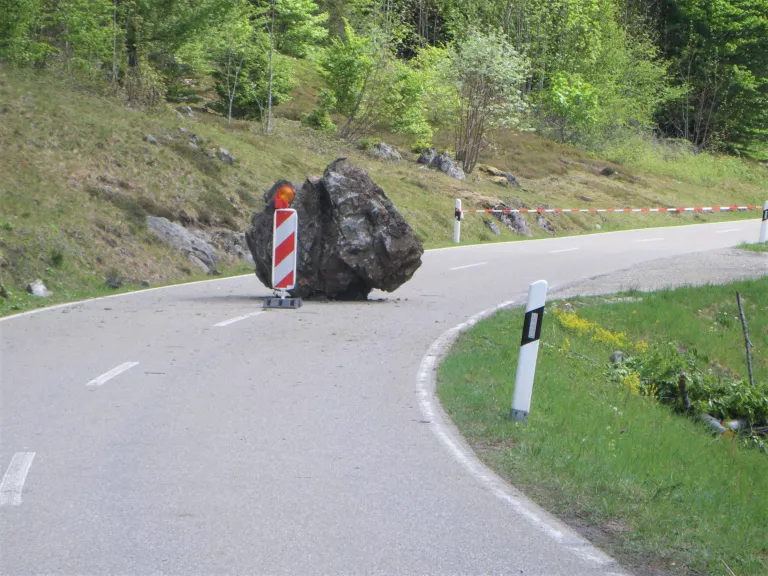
284	196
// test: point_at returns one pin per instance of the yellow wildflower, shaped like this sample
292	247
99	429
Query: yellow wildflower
614	339
631	382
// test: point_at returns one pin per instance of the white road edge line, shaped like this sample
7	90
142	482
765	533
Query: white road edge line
111	374
446	432
729	230
233	320
651	240
563	250
469	266
13	480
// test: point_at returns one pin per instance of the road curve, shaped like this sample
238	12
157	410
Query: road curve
180	431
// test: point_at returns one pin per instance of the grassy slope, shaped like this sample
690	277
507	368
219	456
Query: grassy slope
653	488
78	178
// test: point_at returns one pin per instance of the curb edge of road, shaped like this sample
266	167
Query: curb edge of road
452	440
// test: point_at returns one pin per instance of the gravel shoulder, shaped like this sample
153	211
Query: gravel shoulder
713	267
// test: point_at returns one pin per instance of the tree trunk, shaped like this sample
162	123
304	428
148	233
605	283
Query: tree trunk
114	44
271	66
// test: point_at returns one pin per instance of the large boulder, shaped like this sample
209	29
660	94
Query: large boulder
351	238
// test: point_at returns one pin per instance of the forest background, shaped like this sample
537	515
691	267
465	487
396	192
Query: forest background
592	73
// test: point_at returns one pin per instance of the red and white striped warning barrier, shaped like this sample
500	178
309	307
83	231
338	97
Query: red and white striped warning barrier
612	210
284	247
459	212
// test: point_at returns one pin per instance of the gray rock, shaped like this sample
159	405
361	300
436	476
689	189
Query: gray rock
226	157
499	180
232	243
545	224
188	111
199	252
449	166
492	226
515	222
114	283
498	175
37	288
4	293
144	284
737	425
151	139
442	162
384	152
712	422
617	357
607	171
427	157
351	237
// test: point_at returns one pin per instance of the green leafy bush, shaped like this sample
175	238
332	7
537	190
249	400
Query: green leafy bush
320	118
374	90
253	86
673	377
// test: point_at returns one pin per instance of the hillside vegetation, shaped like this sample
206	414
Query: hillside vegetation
114	111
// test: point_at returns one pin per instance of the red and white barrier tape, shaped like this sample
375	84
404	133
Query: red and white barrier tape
612	210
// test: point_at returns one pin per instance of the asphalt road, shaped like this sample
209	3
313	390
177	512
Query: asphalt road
284	442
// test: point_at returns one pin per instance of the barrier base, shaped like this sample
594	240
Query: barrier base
519	416
282	303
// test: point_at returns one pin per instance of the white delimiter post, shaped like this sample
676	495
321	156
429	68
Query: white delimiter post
457	223
529	351
764	225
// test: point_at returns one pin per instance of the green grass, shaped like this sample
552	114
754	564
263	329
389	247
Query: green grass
757	247
677	160
653	488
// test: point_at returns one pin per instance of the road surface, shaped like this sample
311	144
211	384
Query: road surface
182	431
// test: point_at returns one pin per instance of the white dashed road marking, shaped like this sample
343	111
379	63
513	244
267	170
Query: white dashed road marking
111	374
13	481
651	240
563	250
233	320
469	266
729	230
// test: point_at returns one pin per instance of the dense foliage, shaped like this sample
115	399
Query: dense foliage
585	71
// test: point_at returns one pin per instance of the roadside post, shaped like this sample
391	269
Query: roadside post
529	351
285	237
764	225
457	223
